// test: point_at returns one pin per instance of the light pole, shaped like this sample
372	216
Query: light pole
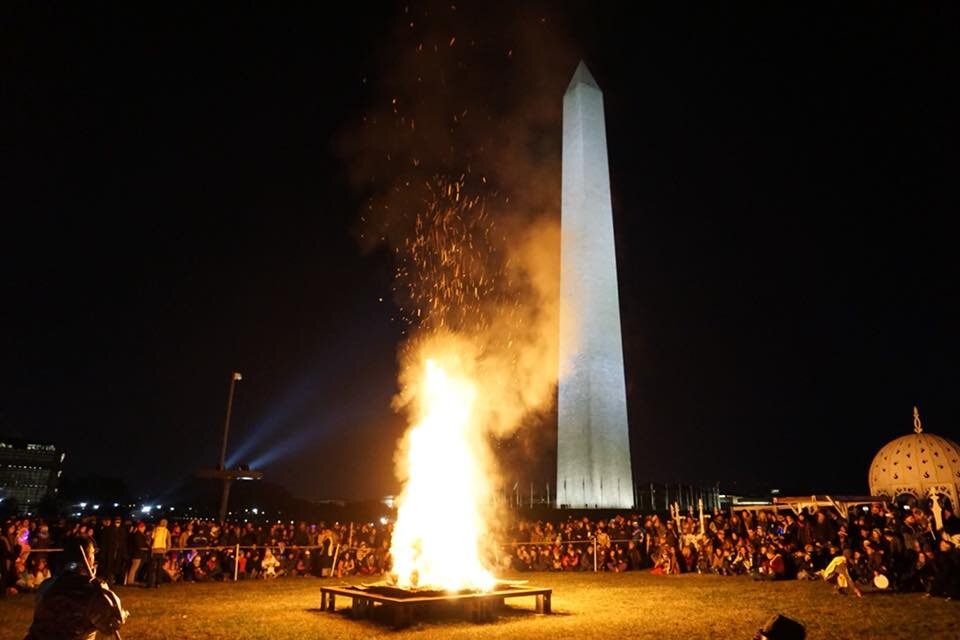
223	449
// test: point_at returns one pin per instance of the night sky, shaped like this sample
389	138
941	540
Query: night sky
180	201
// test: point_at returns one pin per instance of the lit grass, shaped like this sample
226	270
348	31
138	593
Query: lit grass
586	606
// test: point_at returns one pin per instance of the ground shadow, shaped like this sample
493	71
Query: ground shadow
438	615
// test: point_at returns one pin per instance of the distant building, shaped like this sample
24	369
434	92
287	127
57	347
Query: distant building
29	471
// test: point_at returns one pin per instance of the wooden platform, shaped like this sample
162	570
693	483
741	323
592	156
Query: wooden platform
477	606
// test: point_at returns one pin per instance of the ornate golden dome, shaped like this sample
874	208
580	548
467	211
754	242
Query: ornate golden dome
916	463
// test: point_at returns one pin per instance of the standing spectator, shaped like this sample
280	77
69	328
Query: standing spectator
41	539
603	538
159	543
108	555
186	536
139	551
822	529
301	538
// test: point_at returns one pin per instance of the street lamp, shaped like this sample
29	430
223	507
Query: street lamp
237	377
227	476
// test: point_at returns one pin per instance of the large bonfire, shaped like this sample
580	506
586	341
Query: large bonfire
439	537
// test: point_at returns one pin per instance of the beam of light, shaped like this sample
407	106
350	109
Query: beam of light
288	446
292	402
316	428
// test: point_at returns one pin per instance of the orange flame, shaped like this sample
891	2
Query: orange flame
440	528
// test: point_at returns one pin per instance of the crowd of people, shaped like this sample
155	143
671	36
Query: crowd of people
898	545
140	553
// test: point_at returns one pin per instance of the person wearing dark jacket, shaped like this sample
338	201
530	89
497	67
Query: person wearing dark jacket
108	555
139	549
76	605
951	523
822	530
946	581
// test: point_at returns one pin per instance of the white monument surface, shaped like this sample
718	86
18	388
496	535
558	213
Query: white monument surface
593	446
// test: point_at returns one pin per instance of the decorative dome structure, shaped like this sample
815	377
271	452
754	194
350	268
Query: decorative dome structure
916	464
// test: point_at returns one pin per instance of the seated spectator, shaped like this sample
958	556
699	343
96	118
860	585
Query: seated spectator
212	567
269	564
170	569
587	557
24	579
663	562
804	564
302	566
556	559
541	561
610	562
194	571
345	564
688	559
774	567
837	571
718	563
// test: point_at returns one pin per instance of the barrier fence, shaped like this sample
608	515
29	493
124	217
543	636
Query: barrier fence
341	548
236	548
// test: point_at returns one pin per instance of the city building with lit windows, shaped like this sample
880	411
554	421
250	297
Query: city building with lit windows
29	471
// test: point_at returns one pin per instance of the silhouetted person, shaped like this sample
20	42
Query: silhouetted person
108	555
76	605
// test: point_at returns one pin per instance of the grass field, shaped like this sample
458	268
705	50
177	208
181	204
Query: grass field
586	606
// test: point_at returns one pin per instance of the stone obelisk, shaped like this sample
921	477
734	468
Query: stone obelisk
593	446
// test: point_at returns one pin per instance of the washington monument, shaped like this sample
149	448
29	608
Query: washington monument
593	446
